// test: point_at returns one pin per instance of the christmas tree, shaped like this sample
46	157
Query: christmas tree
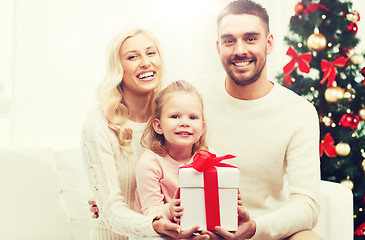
326	68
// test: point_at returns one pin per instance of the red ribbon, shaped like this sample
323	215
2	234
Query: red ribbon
327	146
329	69
314	7
303	63
206	162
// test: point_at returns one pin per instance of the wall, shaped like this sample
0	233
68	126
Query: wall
53	54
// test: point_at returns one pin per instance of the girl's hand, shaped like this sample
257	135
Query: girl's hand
239	199
176	210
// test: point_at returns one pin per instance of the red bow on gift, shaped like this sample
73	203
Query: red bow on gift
303	63
314	7
329	69
206	162
327	146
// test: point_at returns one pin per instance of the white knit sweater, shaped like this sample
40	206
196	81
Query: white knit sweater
276	141
112	177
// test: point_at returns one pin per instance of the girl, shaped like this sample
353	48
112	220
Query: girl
174	133
111	136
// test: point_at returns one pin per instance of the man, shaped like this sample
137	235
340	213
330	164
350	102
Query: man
273	132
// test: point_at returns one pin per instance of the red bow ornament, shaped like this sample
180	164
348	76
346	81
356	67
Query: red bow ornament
360	231
327	146
330	71
206	163
303	63
314	7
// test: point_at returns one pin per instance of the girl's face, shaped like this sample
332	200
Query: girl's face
141	64
181	120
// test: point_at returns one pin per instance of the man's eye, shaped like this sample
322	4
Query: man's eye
251	39
228	41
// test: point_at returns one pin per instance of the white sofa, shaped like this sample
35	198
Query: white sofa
44	195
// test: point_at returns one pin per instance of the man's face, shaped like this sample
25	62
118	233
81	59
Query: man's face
243	45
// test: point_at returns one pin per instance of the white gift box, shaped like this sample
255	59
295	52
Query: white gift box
192	195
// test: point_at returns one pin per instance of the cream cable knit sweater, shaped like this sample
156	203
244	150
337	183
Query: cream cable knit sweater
276	141
112	177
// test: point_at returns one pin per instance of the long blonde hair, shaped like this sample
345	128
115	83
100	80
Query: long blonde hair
110	92
156	142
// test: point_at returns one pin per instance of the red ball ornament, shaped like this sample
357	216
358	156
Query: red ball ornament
349	120
352	27
363	71
298	8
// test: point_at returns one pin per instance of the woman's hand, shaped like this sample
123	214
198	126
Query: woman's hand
176	210
93	208
165	226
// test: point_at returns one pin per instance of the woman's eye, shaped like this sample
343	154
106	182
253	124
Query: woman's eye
151	53
132	57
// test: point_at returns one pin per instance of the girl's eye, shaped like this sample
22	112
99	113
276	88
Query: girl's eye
175	116
193	117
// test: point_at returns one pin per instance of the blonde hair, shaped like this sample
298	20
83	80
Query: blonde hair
156	142
110	92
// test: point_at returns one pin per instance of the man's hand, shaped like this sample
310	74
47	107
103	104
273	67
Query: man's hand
94	209
246	227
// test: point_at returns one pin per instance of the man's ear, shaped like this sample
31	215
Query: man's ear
157	126
218	47
269	44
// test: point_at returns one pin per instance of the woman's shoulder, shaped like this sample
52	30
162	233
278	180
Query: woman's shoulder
94	117
95	122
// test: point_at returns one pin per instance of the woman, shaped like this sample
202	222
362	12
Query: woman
111	138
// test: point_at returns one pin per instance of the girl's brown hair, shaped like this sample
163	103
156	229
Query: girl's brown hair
156	142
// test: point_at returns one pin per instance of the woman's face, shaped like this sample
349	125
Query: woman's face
141	63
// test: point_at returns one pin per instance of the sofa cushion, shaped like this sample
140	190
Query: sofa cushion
75	190
31	201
